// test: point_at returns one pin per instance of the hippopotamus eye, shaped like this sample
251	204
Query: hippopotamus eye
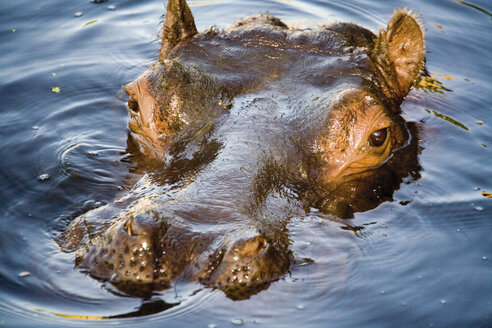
133	104
378	137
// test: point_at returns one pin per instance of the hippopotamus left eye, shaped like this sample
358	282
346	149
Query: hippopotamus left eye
378	137
133	104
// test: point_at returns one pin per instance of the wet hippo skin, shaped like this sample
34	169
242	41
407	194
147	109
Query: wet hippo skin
251	126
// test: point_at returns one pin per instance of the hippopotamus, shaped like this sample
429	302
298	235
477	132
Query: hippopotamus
246	128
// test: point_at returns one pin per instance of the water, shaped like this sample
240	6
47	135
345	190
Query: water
424	259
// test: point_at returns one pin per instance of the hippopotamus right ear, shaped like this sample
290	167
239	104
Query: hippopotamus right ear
398	53
178	26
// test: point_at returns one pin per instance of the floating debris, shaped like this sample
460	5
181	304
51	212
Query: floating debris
486	194
55	89
44	177
14	30
480	122
98	1
485	258
479	208
237	322
53	74
442	301
90	22
111	7
203	130
78	14
24	274
35	127
212	325
300	307
93	153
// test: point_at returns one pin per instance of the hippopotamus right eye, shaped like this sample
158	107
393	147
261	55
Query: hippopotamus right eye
378	137
133	104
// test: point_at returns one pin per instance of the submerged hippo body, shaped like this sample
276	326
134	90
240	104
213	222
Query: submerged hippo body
252	126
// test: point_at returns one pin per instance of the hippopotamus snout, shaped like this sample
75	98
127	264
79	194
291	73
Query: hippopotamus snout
142	252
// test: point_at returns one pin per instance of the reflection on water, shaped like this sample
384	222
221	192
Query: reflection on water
447	118
422	259
147	308
431	84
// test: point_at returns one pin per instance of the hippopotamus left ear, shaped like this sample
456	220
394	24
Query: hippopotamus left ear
178	26
398	53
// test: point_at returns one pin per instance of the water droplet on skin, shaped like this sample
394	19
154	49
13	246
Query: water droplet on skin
44	177
300	307
24	274
237	322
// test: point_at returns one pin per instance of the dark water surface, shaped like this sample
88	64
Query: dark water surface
424	259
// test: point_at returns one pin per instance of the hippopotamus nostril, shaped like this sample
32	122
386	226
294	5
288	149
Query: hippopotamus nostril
252	246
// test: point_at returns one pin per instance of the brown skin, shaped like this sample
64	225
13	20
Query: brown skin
253	125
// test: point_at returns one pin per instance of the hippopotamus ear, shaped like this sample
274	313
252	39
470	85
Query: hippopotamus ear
178	26
399	53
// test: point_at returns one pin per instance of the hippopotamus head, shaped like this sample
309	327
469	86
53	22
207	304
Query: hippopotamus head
251	125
